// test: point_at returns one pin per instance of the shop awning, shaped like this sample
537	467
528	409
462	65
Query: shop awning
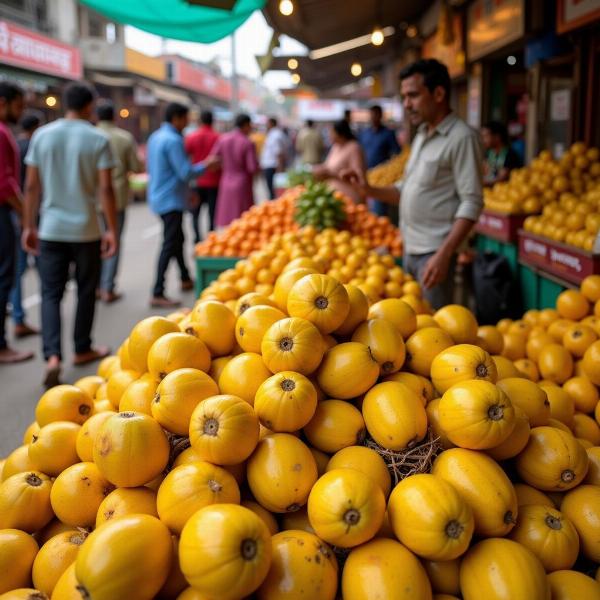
178	19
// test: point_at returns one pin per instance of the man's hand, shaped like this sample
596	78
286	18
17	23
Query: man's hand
356	179
108	244
436	270
212	163
30	241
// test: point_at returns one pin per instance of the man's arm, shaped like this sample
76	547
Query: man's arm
109	210
357	179
31	208
281	153
134	165
10	191
181	164
467	167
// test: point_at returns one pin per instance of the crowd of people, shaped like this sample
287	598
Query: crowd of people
64	193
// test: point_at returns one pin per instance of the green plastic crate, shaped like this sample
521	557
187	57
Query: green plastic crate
539	289
208	268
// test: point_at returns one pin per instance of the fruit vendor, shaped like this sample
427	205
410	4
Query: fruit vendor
441	190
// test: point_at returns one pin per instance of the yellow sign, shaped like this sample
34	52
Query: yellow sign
145	65
492	25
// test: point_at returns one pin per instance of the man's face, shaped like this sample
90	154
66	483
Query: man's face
375	118
486	138
419	103
13	110
88	112
181	122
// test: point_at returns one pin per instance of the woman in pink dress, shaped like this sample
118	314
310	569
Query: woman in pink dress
345	153
238	166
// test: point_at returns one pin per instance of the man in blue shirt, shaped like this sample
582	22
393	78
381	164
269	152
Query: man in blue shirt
170	172
379	144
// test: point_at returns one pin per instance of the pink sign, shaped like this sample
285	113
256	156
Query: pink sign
197	79
499	226
23	48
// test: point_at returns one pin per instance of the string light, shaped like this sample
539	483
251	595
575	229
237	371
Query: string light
51	101
356	69
411	31
292	64
286	7
295	78
377	36
123	113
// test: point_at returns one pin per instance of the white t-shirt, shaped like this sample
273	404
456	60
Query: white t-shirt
275	145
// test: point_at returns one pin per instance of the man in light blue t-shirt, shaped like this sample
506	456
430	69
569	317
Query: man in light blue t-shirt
71	161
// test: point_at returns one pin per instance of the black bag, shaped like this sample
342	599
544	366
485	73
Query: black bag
497	294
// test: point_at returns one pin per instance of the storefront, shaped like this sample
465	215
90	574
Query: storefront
40	65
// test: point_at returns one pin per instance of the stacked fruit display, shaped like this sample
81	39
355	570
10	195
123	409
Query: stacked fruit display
300	206
389	172
341	255
547	182
312	444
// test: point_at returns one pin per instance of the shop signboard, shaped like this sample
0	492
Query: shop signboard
499	226
320	110
453	54
198	79
566	262
492	24
23	48
576	13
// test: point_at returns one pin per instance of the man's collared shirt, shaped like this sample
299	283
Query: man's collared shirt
169	170
379	145
442	182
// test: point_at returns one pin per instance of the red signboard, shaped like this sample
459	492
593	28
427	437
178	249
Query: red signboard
197	79
499	226
23	48
565	262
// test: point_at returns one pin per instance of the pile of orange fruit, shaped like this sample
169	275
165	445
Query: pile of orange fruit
255	228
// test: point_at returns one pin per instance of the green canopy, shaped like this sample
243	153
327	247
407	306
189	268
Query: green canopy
177	19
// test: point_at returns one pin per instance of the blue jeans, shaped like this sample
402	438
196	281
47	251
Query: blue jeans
440	294
7	264
110	265
16	293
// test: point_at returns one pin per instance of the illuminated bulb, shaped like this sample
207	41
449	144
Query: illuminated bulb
511	60
411	31
292	64
356	69
50	101
377	37
123	113
286	7
295	78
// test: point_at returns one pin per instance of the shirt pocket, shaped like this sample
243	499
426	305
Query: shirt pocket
426	172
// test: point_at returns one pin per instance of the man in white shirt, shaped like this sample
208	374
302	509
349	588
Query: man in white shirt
272	159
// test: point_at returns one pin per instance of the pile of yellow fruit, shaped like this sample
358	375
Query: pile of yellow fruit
227	454
547	182
389	172
346	257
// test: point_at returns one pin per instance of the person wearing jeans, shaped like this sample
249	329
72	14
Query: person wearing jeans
124	153
71	161
273	155
170	172
11	109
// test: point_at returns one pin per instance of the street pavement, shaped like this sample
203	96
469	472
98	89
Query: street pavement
20	385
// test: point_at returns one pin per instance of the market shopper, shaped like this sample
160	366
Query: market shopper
29	123
124	151
11	109
379	144
309	144
199	144
441	190
273	157
170	172
71	161
239	164
345	155
499	158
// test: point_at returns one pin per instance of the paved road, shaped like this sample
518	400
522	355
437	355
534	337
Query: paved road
20	385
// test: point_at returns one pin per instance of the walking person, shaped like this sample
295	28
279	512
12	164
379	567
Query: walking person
70	160
11	109
273	157
170	172
309	144
29	123
380	144
124	151
199	145
440	194
239	164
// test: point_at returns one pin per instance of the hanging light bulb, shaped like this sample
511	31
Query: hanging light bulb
286	7
295	78
412	31
292	64
377	36
356	69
